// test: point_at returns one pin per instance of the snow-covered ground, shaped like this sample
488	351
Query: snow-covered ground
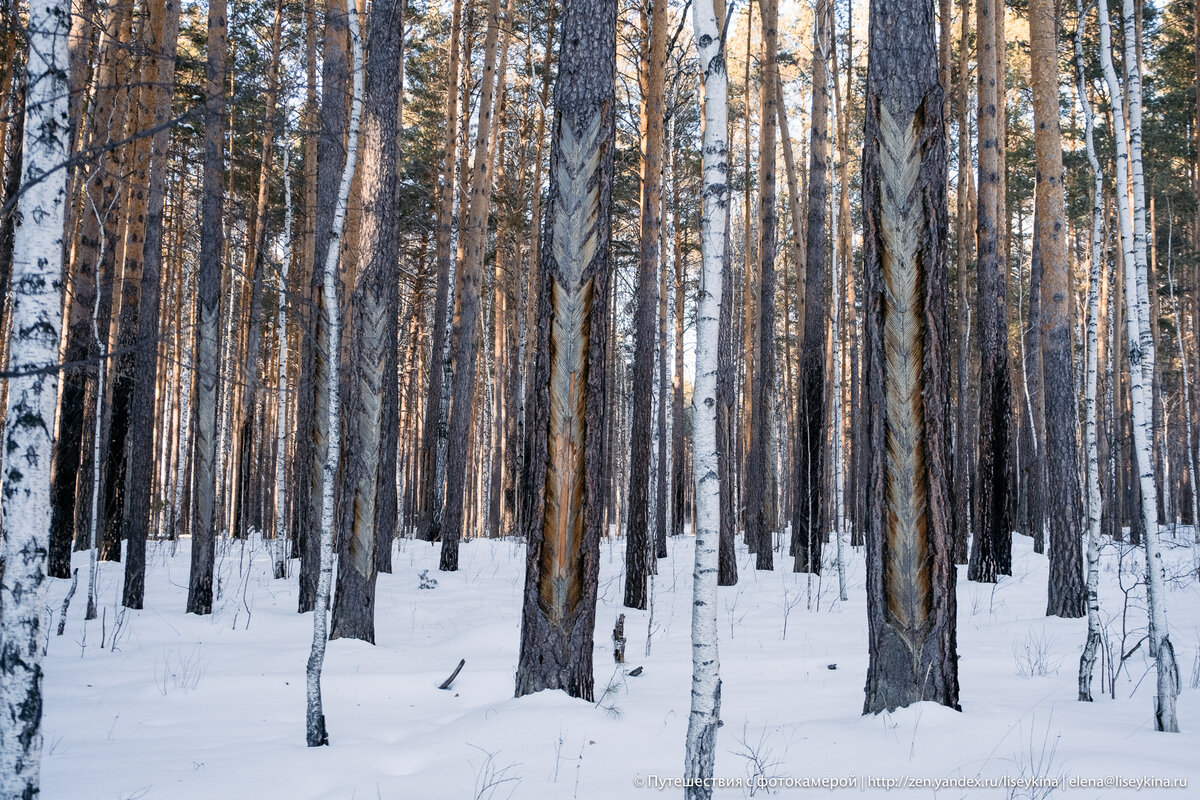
161	704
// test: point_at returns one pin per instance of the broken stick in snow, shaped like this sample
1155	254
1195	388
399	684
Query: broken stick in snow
619	640
446	683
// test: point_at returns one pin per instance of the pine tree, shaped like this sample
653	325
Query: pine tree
568	387
910	564
1066	592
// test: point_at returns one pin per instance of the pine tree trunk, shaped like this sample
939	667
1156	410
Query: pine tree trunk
964	439
808	519
678	448
991	551
467	320
434	428
1031	418
204	469
910	566
569	386
760	523
727	571
1063	514
139	469
636	562
354	600
71	491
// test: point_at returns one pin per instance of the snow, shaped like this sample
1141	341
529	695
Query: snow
187	707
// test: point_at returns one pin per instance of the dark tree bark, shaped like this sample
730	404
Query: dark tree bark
568	390
1032	423
808	515
204	467
374	339
760	488
1066	595
910	565
139	469
93	264
636	545
678	449
964	435
433	430
312	394
991	553
727	571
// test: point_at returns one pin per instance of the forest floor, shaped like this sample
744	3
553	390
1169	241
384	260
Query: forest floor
161	704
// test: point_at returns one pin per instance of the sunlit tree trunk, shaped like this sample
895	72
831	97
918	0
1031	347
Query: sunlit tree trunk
139	470
467	320
36	315
703	718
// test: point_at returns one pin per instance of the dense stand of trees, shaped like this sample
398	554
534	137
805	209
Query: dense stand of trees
546	283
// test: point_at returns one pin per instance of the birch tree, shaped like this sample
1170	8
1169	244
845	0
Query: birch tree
1087	661
36	318
700	752
315	731
1140	350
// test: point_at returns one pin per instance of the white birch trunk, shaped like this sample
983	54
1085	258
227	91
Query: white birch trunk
835	407
185	422
36	298
706	682
1087	661
1137	313
281	402
97	417
315	722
